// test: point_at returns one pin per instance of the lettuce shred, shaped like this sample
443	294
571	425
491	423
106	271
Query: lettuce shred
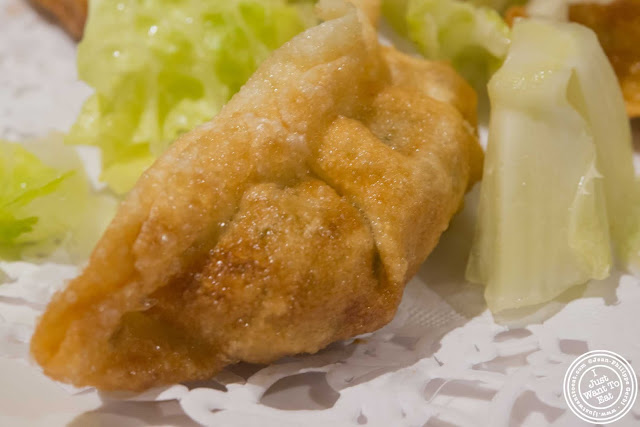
160	68
499	5
474	38
558	194
46	202
24	178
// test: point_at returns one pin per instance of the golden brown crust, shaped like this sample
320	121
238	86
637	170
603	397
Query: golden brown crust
291	220
436	79
514	12
71	14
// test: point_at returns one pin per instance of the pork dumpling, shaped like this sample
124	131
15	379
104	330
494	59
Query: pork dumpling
71	14
291	220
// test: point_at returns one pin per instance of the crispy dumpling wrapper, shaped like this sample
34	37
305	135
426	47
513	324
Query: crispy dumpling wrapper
291	220
71	14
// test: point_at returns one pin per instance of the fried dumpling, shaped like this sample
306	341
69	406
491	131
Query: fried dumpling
291	220
71	14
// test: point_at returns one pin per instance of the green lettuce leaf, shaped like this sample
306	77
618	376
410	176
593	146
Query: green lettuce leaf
160	68
558	192
499	5
24	178
47	204
475	39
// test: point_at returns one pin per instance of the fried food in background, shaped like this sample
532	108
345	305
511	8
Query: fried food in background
71	14
291	220
513	13
617	25
618	28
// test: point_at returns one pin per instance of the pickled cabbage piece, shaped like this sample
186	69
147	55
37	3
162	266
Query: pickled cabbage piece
556	9
558	190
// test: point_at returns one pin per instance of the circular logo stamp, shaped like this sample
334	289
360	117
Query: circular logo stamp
600	387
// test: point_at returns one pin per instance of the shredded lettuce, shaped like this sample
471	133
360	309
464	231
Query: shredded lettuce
474	38
558	192
499	5
161	68
24	178
47	204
